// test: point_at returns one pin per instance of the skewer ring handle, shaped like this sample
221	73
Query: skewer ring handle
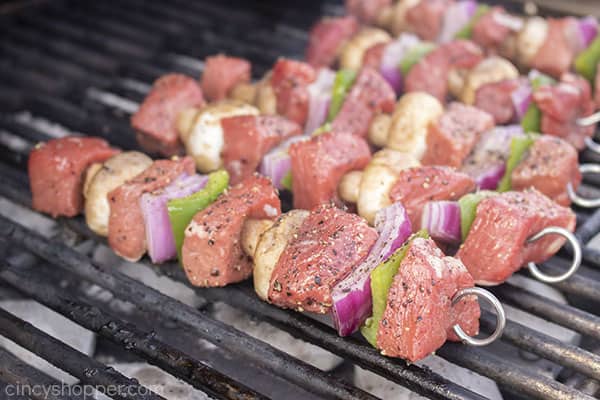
555	230
500	316
589	120
575	198
592	145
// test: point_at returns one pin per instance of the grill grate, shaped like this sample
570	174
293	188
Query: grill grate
85	65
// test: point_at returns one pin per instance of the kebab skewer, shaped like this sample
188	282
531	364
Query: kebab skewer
458	67
215	239
552	45
231	134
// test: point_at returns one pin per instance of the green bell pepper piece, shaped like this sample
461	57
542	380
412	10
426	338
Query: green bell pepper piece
541	80
181	211
344	79
381	281
414	55
518	147
286	181
467	31
586	63
468	207
326	127
532	120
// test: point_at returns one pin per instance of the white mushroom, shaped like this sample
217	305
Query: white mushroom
113	173
456	81
531	38
265	98
398	22
185	121
349	186
375	186
251	232
204	141
353	51
378	179
244	92
410	122
492	69
270	246
379	129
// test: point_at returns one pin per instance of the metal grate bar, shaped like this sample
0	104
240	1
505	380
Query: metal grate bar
88	370
151	300
567	316
524	382
546	346
143	344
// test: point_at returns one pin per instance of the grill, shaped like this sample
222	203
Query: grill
68	66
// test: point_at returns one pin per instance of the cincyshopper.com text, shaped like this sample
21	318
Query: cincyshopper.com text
80	391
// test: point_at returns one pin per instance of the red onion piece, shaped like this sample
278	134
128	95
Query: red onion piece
393	76
487	161
442	221
352	302
521	98
490	179
457	16
588	28
276	163
392	55
319	98
159	235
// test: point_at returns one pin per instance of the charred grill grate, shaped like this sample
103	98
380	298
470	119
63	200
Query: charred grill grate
86	65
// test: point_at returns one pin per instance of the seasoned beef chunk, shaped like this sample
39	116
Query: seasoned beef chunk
326	38
427	18
419	315
222	73
496	245
558	51
290	80
369	95
418	185
495	98
430	74
549	165
212	251
248	138
126	232
329	244
562	104
156	119
455	134
57	170
318	165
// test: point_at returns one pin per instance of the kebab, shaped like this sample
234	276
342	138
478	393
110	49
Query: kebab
204	130
173	119
458	67
551	45
465	138
202	228
315	190
140	204
328	261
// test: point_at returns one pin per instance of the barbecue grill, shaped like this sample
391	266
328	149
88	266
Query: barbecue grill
68	66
